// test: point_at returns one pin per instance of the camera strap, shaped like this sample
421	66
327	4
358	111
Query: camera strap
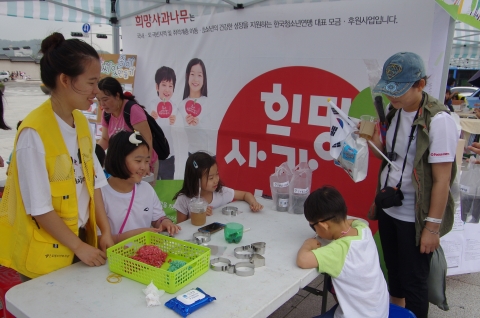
410	138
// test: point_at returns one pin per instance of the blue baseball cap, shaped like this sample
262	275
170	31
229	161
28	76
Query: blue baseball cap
399	73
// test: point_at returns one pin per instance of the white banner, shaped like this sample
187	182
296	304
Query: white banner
266	74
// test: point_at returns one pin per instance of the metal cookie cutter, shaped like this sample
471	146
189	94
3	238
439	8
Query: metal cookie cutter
257	260
201	237
230	210
242	269
259	247
243	252
220	264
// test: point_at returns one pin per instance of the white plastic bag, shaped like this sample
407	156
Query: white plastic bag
279	186
300	187
354	157
469	193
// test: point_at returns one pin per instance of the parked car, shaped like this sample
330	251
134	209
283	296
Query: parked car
4	76
464	91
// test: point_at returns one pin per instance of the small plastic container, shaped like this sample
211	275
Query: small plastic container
233	232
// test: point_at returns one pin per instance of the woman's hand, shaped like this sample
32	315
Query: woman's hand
429	242
172	119
475	147
154	114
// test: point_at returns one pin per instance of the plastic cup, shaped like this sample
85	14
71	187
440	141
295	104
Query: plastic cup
367	126
198	209
233	232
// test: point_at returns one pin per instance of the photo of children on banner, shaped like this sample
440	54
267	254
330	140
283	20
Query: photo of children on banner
202	168
165	113
195	108
132	206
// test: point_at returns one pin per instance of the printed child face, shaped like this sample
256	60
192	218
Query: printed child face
85	86
210	182
165	90
138	163
195	80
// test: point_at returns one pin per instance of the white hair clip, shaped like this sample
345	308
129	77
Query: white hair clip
133	138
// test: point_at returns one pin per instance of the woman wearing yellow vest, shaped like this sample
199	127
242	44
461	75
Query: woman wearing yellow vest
52	201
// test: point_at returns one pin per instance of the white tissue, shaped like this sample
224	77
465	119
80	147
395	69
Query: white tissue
153	295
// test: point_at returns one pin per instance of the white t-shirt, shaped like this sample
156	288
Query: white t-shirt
33	177
443	145
164	123
220	198
146	207
353	264
199	138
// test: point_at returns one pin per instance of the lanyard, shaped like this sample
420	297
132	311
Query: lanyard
129	209
410	138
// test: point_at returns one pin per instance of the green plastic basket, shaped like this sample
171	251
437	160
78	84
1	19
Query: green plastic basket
197	258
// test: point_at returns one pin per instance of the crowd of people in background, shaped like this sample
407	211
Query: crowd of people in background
18	75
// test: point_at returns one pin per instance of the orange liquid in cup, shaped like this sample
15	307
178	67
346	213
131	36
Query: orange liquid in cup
198	218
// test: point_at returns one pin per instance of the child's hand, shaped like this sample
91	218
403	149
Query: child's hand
172	119
311	244
154	114
255	206
170	227
209	210
90	255
189	119
105	241
192	121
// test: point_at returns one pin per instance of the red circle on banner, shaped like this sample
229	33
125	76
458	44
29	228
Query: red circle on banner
285	111
164	109
193	108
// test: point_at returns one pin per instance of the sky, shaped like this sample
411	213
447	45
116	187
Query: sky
15	29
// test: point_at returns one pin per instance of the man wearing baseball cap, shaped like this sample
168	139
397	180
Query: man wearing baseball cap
422	139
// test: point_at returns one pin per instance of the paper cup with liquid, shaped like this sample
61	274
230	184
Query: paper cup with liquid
198	211
367	126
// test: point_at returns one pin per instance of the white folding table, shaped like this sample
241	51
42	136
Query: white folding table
82	291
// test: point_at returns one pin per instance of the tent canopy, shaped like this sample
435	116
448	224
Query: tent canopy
465	47
464	53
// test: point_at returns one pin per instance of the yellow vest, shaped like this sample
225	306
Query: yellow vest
25	246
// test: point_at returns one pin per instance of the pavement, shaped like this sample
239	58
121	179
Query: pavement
463	291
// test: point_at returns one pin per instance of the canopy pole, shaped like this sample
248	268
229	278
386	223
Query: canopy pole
115	28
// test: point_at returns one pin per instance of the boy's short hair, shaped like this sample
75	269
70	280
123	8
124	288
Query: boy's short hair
119	147
165	73
325	203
